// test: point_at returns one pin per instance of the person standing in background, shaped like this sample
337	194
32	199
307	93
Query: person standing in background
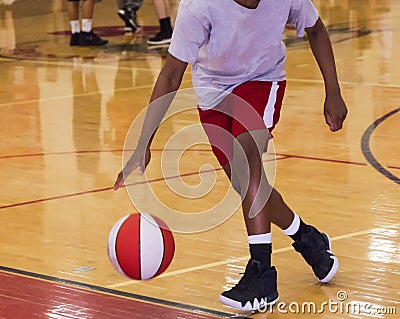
84	36
128	13
164	18
7	27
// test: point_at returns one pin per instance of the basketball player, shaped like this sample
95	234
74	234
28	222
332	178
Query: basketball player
236	46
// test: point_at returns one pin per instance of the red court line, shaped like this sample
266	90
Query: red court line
55	153
322	159
394	167
47	199
96	151
46	299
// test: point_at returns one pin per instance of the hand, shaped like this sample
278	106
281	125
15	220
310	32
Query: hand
139	159
335	111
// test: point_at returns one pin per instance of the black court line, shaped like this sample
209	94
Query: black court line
162	302
366	149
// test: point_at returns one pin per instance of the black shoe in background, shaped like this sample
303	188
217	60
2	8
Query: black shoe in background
88	39
129	16
75	39
160	38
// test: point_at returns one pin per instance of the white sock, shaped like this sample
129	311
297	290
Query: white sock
75	26
294	226
260	239
86	25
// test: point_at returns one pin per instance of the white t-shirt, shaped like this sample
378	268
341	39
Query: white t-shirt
228	44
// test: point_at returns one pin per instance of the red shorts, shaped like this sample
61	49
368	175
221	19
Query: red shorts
252	106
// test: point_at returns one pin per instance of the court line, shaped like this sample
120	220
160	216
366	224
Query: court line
159	179
109	291
35	201
110	288
366	149
3	59
244	258
53	98
183	82
92	65
317	81
321	159
102	151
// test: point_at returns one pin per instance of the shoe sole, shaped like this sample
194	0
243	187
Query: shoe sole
163	42
129	29
335	265
93	45
254	306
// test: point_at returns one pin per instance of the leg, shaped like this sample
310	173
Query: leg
280	213
162	8
121	4
257	106
268	206
73	10
73	13
128	13
88	37
87	9
165	34
258	286
260	200
262	204
248	173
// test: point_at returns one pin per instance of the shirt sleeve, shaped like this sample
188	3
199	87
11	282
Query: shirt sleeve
302	15
190	33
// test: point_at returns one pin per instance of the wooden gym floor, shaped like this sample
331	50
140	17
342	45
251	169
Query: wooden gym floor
64	115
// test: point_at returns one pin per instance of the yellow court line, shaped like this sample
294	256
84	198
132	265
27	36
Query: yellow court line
183	82
85	64
234	260
385	85
53	98
2	59
102	66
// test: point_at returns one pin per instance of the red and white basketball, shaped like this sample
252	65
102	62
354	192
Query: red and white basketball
140	246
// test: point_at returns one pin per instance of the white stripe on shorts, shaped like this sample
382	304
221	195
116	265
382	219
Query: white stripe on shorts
270	108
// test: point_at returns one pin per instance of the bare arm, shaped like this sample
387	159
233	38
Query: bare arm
167	84
334	108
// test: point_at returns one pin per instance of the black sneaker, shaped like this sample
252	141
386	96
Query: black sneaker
256	290
160	38
315	247
75	39
88	39
129	16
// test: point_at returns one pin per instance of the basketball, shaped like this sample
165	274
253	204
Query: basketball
140	246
